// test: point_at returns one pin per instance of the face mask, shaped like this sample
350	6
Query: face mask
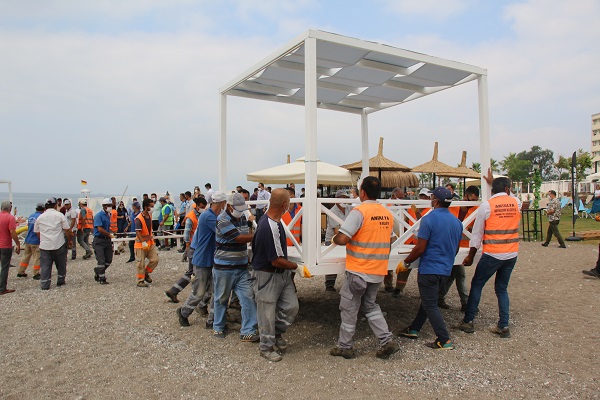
154	199
151	209
237	214
108	209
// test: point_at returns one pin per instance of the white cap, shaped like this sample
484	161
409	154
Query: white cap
218	197
425	191
107	202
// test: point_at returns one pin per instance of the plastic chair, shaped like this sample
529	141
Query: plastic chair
585	212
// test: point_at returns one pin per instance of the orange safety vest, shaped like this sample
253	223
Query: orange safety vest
368	251
192	215
113	220
501	233
88	221
413	240
146	231
296	230
464	240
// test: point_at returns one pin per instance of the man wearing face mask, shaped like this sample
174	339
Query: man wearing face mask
230	271
341	211
102	243
155	214
204	245
144	245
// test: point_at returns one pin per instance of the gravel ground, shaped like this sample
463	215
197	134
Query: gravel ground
86	341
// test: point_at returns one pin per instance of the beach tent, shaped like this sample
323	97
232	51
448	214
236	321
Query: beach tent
295	172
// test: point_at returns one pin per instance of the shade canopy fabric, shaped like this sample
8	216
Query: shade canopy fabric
434	166
352	76
327	174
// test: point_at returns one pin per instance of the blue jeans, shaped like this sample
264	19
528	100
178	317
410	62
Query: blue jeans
429	288
487	267
240	281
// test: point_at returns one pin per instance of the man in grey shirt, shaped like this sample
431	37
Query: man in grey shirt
341	211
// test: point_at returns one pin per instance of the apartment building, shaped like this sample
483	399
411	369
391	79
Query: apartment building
596	142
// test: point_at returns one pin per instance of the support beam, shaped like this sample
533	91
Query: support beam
223	144
311	239
364	132
484	133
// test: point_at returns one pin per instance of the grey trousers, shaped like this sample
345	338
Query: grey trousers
5	256
553	229
201	285
83	236
59	258
276	305
357	295
103	249
460	276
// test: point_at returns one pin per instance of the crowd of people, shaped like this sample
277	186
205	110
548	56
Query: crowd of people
218	228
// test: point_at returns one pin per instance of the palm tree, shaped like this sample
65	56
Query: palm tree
476	167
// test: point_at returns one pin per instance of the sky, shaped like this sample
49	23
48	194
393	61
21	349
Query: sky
126	93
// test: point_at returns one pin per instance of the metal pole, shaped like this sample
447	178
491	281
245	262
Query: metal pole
484	133
311	239
223	143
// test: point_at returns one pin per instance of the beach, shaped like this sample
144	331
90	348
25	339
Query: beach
89	341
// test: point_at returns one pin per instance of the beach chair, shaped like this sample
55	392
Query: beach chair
565	201
585	212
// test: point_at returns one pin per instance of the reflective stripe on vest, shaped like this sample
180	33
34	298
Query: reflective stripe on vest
369	249
88	221
169	220
296	230
192	215
146	231
113	220
501	234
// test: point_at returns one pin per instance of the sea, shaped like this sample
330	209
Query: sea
26	202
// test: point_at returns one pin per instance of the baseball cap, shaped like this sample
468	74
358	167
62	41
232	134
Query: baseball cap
442	194
50	201
136	204
66	201
218	197
341	193
237	201
162	200
107	202
39	207
425	191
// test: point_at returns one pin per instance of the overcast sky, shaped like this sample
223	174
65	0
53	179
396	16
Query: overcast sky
126	92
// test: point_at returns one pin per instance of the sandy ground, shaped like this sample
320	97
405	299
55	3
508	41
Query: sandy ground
89	341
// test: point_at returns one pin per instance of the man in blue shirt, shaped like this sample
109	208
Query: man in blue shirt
102	243
136	209
204	245
437	244
32	246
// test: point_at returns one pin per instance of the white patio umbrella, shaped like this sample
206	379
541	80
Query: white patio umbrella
327	174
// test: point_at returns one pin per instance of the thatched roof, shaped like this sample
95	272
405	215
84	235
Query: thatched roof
434	166
392	179
378	163
462	171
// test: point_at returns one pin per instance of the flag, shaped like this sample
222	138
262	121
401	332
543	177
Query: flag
83	183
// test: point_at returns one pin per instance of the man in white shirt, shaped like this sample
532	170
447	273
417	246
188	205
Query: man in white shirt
262	195
71	215
52	227
340	210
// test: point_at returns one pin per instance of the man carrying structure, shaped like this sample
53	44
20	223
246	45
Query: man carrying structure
497	228
366	233
340	210
85	224
144	244
32	246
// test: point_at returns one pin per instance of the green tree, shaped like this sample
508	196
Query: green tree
516	168
476	167
494	165
563	167
545	158
584	162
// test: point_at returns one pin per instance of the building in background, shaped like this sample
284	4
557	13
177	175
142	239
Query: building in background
595	141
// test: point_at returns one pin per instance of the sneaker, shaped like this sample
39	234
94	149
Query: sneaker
252	337
592	272
142	284
346	353
219	334
502	332
37	277
437	345
396	293
271	355
148	278
466	327
281	343
387	350
130	260
183	321
409	333
562	246
443	304
172	296
102	281
329	289
21	275
545	244
59	284
87	256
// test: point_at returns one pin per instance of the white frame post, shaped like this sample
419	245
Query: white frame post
311	239
364	133
484	133
223	144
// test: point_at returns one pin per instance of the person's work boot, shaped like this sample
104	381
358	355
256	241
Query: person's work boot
443	304
271	355
562	246
388	289
23	275
183	321
502	332
466	327
172	296
329	289
280	343
545	244
396	293
148	278
346	353
142	284
387	350
37	277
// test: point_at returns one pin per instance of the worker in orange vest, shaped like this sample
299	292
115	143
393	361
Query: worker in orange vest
458	271
144	244
191	223
366	233
416	214
85	224
296	229
496	229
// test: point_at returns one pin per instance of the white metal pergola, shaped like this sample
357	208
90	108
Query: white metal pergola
324	70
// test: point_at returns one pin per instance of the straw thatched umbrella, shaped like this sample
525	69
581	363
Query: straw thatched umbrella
435	167
390	173
462	171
